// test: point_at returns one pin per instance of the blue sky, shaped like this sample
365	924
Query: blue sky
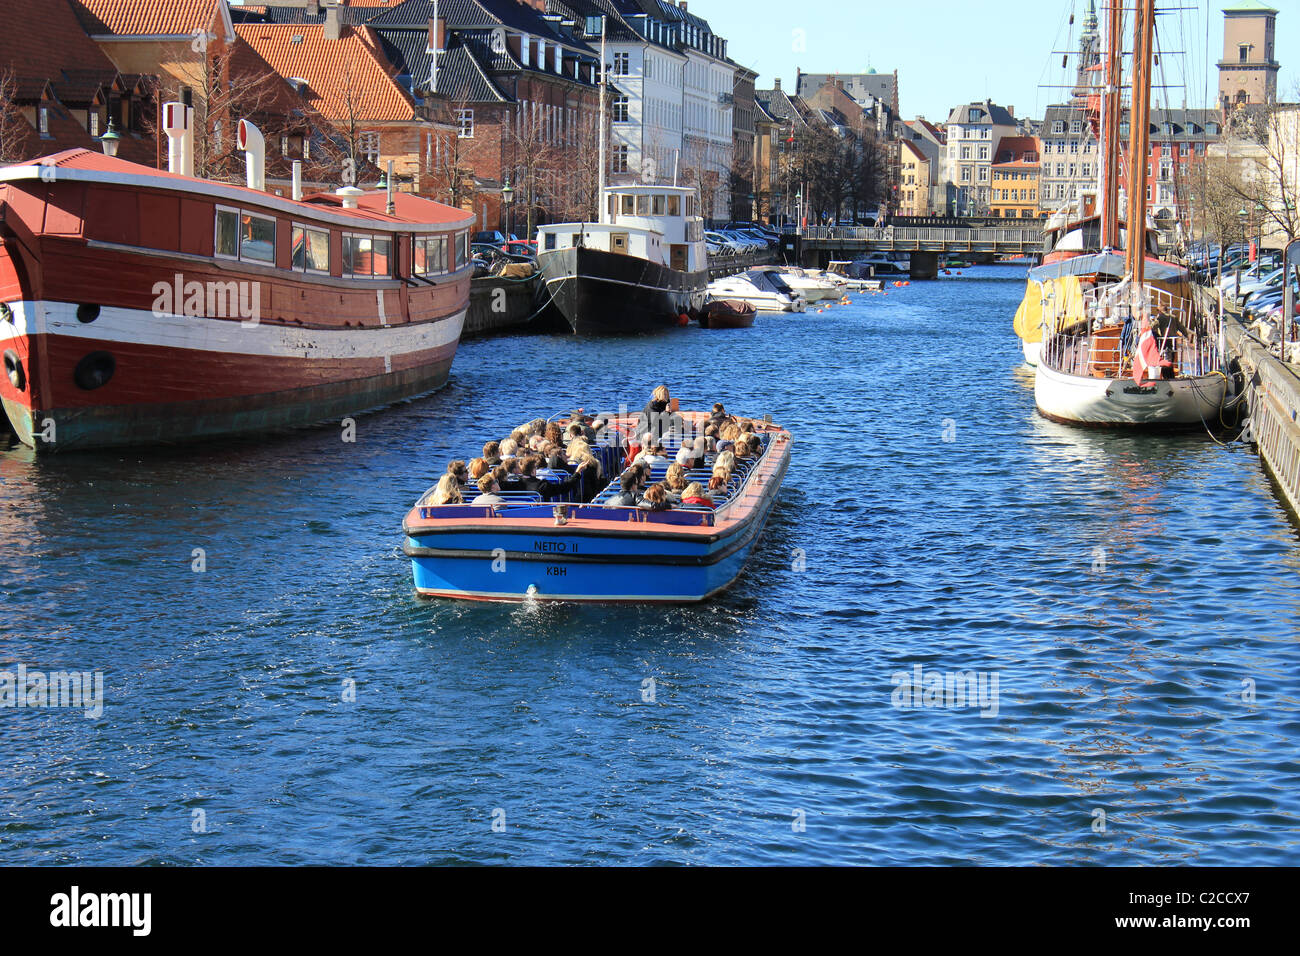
948	52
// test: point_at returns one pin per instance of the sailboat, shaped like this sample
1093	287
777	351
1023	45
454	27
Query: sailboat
1125	341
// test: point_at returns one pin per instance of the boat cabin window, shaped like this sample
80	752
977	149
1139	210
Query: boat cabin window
549	239
674	206
643	205
311	249
430	255
367	257
629	204
690	205
613	205
658	207
242	235
462	249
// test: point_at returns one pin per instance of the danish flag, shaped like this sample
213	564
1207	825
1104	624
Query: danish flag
1147	355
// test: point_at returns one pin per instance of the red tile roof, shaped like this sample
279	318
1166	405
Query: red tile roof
332	68
151	17
37	37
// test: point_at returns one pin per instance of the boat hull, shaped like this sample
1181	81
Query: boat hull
1121	403
176	379
1032	351
607	293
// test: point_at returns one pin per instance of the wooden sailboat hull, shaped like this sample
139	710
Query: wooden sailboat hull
1122	403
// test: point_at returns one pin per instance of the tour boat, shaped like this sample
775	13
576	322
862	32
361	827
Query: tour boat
1125	340
533	550
139	305
727	314
743	289
641	268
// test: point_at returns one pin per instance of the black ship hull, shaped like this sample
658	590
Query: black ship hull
607	293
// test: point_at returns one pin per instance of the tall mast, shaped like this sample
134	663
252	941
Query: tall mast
1139	143
1111	107
600	179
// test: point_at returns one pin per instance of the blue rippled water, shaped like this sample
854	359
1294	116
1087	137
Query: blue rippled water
1129	594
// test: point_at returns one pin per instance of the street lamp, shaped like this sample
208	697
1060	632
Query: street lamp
110	140
508	196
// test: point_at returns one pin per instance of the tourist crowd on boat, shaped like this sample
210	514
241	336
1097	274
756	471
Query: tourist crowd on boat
658	465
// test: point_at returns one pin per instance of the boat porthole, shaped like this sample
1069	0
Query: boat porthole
87	313
14	369
94	370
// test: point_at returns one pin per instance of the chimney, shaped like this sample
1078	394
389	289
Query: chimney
776	83
437	34
682	4
332	29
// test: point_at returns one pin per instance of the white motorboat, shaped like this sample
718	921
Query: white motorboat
739	287
811	287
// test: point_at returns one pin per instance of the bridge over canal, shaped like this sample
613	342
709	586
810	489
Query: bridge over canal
925	246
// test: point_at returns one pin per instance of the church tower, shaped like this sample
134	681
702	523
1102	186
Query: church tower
1248	70
1089	58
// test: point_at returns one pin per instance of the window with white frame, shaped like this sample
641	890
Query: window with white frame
619	109
622	64
311	249
465	120
620	159
244	235
367	256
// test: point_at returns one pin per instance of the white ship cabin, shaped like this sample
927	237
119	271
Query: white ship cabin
658	223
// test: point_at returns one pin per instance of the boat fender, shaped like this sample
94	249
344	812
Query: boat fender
94	370
683	320
14	369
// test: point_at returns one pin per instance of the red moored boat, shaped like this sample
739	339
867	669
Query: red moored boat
139	305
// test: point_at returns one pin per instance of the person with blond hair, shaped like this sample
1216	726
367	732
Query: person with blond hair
726	461
675	481
447	492
696	495
660	417
508	449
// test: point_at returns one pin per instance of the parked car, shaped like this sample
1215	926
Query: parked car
521	247
491	237
728	247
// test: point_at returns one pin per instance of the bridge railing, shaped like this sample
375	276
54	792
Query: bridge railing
910	237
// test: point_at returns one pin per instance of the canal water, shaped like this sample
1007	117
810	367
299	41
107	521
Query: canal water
1123	609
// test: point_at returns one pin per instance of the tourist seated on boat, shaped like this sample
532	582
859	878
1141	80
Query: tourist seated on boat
720	484
729	432
675	482
509	448
527	480
718	415
691	454
656	499
654	456
710	438
488	492
478	467
593	480
492	453
554	433
458	470
447	492
696	495
726	461
629	488
580	426
659	417
755	445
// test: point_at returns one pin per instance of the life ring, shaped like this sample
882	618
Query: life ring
14	369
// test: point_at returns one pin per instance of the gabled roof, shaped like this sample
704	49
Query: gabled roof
915	150
779	105
37	37
350	68
352	13
1013	149
153	18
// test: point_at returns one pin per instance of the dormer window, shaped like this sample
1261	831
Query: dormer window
43	122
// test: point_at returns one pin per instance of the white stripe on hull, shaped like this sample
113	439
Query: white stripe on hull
139	327
1107	401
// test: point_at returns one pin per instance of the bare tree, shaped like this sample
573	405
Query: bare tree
14	129
1268	141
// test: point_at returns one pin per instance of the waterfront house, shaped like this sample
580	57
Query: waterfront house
966	163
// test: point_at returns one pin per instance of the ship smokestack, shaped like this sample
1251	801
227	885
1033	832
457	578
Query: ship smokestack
254	147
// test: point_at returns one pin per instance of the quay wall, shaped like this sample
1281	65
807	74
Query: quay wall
1273	396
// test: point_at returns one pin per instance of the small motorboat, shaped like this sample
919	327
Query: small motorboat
811	286
764	298
727	314
877	265
526	549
